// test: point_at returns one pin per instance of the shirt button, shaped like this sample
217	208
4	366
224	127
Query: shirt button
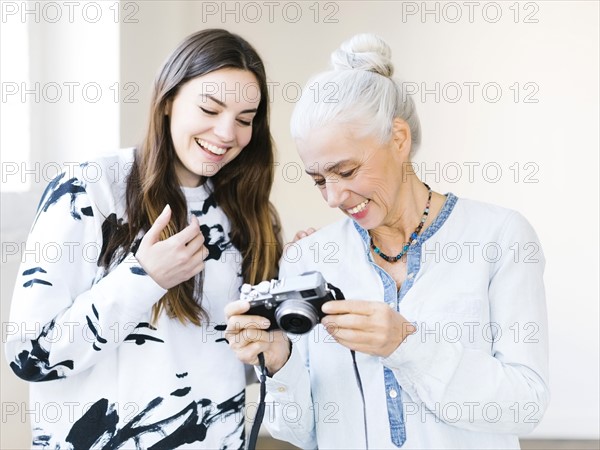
281	389
410	276
393	393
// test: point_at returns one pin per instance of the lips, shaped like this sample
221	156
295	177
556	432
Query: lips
211	148
358	208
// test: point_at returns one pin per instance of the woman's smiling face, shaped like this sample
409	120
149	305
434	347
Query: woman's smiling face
359	175
211	122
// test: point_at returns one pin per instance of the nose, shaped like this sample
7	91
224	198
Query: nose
335	193
225	129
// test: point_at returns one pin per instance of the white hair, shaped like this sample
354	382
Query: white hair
359	92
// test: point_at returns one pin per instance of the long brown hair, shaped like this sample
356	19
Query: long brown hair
241	188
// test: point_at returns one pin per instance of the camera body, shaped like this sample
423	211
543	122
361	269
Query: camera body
292	304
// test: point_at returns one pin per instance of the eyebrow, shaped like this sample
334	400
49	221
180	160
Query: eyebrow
333	168
220	103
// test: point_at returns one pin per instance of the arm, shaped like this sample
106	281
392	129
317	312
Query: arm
503	389
64	317
289	409
63	321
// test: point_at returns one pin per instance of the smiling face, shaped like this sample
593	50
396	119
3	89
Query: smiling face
358	175
211	122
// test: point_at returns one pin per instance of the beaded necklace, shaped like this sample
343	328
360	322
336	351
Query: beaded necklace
413	236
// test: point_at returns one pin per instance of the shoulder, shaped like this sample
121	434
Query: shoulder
96	184
103	170
488	219
110	168
340	231
325	247
479	209
105	177
485	214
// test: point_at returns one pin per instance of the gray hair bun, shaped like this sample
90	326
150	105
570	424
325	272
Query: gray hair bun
364	52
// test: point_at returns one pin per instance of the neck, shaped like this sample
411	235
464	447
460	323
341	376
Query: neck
412	198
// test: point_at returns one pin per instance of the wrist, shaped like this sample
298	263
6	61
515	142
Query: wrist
276	366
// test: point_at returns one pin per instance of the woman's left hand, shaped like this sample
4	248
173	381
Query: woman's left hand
367	327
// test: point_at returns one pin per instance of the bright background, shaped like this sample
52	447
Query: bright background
525	136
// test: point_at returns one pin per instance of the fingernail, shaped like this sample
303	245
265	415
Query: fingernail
166	208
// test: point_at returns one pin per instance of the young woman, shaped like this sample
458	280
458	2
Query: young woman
128	348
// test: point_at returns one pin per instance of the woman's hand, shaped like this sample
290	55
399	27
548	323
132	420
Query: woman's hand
173	260
303	233
247	337
299	235
367	327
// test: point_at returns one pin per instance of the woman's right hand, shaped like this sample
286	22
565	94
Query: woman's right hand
247	337
302	234
174	260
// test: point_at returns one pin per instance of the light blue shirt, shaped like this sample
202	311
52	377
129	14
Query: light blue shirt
473	375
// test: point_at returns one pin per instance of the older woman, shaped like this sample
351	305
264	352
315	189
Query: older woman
450	352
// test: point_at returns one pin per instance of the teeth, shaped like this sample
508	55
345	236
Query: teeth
212	148
358	208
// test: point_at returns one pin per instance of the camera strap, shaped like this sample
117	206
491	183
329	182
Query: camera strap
260	412
340	296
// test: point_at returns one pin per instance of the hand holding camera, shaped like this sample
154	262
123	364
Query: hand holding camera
292	304
257	322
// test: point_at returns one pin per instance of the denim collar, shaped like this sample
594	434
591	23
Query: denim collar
430	231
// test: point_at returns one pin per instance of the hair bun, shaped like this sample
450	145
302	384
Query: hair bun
364	52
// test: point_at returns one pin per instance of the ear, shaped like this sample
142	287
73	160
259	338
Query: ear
401	137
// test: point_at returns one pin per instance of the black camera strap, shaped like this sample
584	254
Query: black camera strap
260	412
340	296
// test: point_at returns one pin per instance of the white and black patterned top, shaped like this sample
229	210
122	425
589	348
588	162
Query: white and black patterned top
104	377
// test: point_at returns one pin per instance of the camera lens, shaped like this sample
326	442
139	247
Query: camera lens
296	316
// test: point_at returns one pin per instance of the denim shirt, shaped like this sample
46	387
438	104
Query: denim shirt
451	384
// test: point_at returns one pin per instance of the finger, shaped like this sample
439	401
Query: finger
337	333
345	321
246	337
194	220
204	253
363	307
352	338
237	307
242	322
195	263
350	344
310	231
299	235
196	244
197	268
249	353
188	233
153	234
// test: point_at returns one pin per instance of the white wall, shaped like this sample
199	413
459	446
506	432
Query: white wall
553	142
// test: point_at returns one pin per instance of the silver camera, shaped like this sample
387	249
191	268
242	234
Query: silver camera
292	304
